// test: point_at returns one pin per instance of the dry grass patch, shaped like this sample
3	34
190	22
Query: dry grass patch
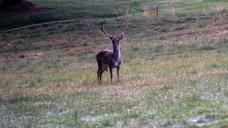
78	51
149	80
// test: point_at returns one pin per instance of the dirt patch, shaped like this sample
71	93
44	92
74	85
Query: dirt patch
98	118
176	124
167	63
221	6
208	96
79	51
202	121
217	72
53	41
41	43
200	75
211	33
11	58
32	55
145	79
60	40
120	94
199	121
7	58
190	28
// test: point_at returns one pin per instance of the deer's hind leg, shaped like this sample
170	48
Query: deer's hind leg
110	70
100	71
99	76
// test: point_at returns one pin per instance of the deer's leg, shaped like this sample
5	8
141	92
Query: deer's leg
98	76
110	69
101	77
117	72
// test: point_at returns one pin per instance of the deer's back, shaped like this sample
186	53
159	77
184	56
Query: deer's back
104	56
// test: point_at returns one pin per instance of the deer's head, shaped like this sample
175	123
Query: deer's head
115	39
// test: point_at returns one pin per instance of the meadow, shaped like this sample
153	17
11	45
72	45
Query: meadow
174	72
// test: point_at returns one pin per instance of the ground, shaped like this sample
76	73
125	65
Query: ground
174	71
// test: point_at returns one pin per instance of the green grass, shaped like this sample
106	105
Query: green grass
64	10
48	72
151	102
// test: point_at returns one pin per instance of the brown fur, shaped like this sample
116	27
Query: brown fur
104	58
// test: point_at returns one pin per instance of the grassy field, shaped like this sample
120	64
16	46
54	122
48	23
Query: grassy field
174	72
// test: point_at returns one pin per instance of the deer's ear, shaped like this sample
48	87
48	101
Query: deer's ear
121	35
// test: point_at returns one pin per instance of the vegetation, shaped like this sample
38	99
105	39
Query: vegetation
174	72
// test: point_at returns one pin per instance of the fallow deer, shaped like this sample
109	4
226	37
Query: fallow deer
109	58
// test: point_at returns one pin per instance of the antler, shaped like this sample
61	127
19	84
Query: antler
125	27
102	29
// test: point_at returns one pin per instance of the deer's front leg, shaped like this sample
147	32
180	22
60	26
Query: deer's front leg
110	69
99	75
117	72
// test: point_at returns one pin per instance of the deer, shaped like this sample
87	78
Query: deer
109	58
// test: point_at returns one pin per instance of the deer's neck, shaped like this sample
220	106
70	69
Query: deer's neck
116	53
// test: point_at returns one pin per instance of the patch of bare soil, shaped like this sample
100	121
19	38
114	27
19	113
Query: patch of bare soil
212	33
55	41
79	51
199	76
60	40
6	58
32	54
41	43
216	29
